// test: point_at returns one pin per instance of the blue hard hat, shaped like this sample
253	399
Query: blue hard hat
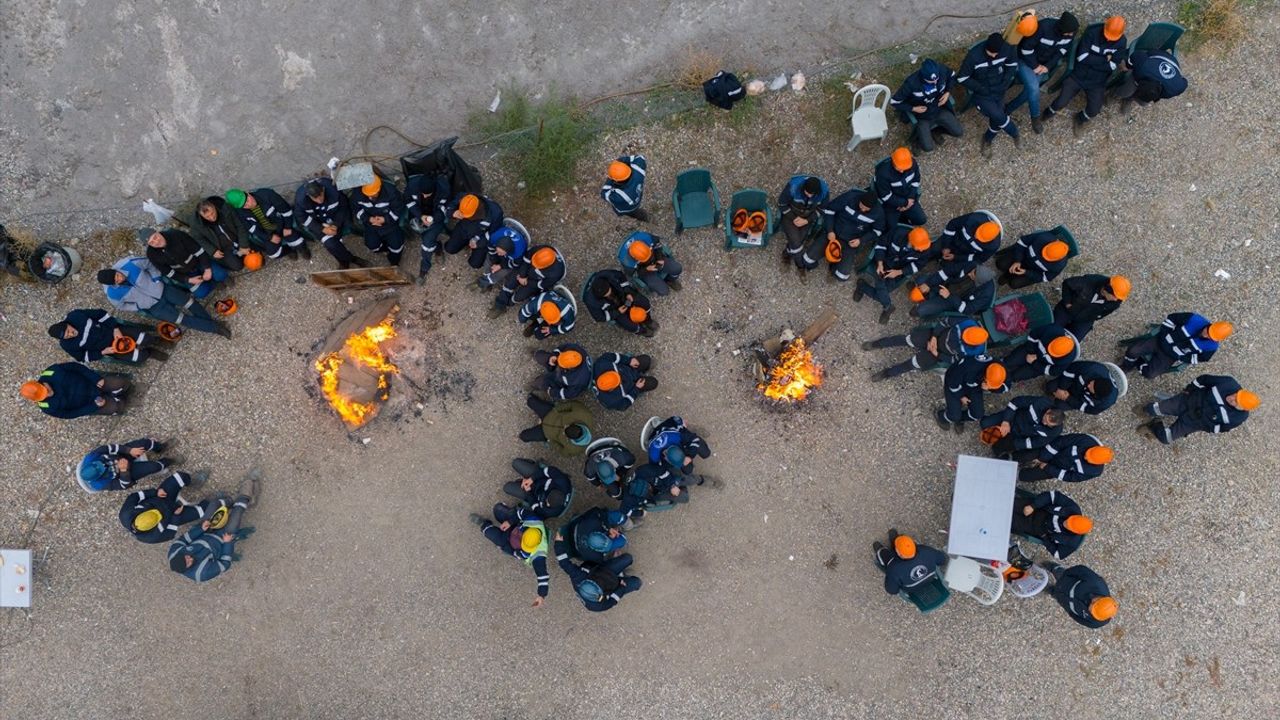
92	473
590	591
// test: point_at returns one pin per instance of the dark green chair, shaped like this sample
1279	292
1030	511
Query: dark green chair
695	200
751	200
1039	314
1159	36
928	595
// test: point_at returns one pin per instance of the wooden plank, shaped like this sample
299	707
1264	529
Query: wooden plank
359	278
816	328
356	321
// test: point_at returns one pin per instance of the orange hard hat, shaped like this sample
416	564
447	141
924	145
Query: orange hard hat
253	260
916	295
987	231
468	205
739	222
619	171
640	252
904	546
1113	28
373	187
1247	400
124	344
34	391
1079	524
568	359
1120	286
1099	455
549	312
608	380
1220	330
995	376
1055	251
833	251
756	221
1103	608
543	258
637	314
901	159
975	336
1061	347
918	238
226	306
1028	25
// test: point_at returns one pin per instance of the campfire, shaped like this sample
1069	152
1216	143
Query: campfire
353	366
785	370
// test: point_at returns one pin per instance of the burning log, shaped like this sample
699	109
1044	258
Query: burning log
353	367
785	369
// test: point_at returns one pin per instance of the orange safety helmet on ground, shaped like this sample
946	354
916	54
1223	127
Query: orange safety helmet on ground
253	261
225	307
640	252
833	251
1061	347
124	345
916	295
568	359
608	380
549	312
918	238
619	171
1113	28
1055	251
543	258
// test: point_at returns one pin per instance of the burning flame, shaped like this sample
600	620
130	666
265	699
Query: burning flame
793	376
362	348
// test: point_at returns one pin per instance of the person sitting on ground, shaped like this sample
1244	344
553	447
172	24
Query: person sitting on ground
800	214
651	261
474	217
1052	518
118	466
897	183
70	390
925	95
619	379
204	552
1073	457
1035	258
652	484
379	207
154	515
568	372
595	535
964	389
525	541
1048	350
537	271
610	298
608	467
623	187
897	256
426	204
855	223
268	220
325	212
1210	403
1151	76
673	432
1083	594
565	426
908	564
969	294
945	341
1039	52
547	314
1083	385
599	586
89	335
1086	299
987	71
1184	338
135	285
1100	52
182	261
544	491
218	230
1018	430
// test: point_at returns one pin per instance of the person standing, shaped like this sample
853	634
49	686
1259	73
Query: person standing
987	71
1100	52
1210	403
1183	339
1083	594
379	207
1150	77
1052	518
1073	457
1086	299
70	390
925	95
623	188
963	390
1039	53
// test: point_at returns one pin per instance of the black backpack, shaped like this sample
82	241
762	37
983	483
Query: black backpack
723	90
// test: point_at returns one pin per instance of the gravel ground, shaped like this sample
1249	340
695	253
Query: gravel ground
365	593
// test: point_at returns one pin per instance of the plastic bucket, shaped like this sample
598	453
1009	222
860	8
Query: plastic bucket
65	262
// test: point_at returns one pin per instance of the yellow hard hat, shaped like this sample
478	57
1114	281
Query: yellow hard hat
147	520
530	539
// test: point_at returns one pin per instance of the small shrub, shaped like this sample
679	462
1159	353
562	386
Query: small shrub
696	67
1218	23
543	140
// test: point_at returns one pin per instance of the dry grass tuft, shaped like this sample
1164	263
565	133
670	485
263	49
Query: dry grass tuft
1215	23
696	67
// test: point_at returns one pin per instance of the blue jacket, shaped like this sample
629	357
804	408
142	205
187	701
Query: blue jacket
1047	46
625	197
96	330
914	92
75	390
1097	57
673	431
1181	338
311	217
213	555
793	201
987	76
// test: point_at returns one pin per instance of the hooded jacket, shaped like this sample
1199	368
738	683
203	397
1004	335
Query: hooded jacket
143	287
180	258
226	234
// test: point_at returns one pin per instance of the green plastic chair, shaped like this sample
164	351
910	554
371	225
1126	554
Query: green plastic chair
1152	330
751	200
695	200
928	595
1159	36
1073	249
1071	58
1039	314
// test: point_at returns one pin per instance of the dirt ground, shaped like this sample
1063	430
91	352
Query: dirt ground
365	592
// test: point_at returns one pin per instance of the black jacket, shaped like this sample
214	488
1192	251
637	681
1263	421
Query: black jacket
180	258
913	93
895	188
902	574
987	76
226	234
334	210
1097	57
1025	415
1064	456
1046	47
1082	298
1207	404
1076	589
848	222
1047	522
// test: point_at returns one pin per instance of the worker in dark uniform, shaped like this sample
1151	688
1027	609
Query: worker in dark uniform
1039	53
1083	385
118	466
1035	258
1100	52
611	298
181	261
968	241
474	217
656	268
963	388
673	432
800	214
1047	351
897	183
608	467
924	95
426	204
598	585
969	294
217	228
378	208
1086	299
855	223
623	187
987	72
204	551
1083	594
155	515
89	335
536	272
595	535
525	541
1023	426
1052	518
567	371
652	484
1152	76
619	379
548	314
323	213
946	341
565	426
70	390
508	250
1073	457
1182	339
268	220
1210	403
544	491
897	256
908	564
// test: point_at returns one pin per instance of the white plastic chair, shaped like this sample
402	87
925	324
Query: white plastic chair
646	433
978	580
868	116
1118	378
